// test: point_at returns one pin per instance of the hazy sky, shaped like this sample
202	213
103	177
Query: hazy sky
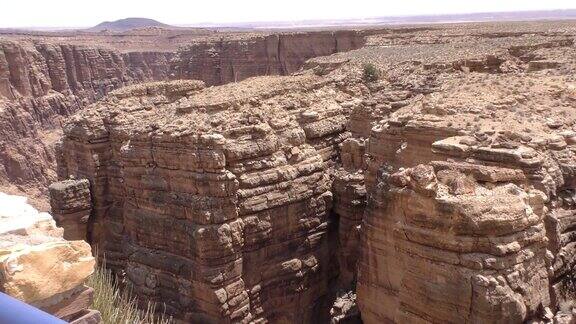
81	13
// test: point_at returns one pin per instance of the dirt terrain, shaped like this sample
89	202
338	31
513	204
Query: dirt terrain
439	189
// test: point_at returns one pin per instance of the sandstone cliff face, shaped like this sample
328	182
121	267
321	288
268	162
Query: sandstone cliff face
231	60
71	204
468	232
41	82
464	174
216	201
32	70
440	246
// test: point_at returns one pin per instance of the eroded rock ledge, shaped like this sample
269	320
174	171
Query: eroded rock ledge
43	79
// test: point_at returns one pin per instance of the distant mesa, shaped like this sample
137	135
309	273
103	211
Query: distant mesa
128	24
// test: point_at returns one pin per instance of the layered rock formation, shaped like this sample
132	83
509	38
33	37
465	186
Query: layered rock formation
40	84
468	232
231	60
465	160
216	201
443	192
39	267
71	204
42	81
455	243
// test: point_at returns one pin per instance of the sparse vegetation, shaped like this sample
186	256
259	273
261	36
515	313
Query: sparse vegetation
371	73
119	306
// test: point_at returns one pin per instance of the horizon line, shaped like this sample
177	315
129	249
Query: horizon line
222	24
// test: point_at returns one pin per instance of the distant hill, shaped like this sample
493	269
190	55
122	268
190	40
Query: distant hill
127	24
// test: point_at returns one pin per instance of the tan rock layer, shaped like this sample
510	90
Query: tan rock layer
39	267
451	209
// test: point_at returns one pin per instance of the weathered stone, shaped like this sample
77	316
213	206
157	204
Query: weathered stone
441	192
444	256
43	80
71	207
238	210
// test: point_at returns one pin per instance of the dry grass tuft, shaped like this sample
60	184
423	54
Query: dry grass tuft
119	306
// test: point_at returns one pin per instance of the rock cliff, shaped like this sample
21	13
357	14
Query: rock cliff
466	178
441	192
230	60
216	201
71	204
455	178
40	84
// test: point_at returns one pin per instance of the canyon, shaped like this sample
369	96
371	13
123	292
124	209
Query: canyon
45	77
398	175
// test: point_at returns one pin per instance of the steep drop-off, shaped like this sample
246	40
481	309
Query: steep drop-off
41	83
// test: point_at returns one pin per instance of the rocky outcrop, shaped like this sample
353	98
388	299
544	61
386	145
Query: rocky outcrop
232	60
438	146
463	211
35	70
216	201
448	244
345	309
39	267
442	192
40	84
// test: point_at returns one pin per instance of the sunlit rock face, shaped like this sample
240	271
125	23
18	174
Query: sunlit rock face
442	242
217	200
44	79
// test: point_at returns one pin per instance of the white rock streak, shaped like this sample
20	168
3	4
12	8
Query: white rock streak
16	215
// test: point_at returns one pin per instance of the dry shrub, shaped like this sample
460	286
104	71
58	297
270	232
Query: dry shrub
371	73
